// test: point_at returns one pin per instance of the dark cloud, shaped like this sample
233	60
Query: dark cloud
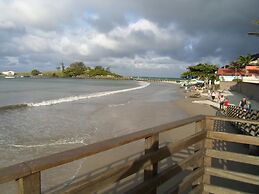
135	37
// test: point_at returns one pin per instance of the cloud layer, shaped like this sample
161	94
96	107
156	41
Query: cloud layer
146	37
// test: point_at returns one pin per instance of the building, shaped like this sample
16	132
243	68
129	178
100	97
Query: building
227	74
8	73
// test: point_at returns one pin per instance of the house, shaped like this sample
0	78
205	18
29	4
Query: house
8	73
228	74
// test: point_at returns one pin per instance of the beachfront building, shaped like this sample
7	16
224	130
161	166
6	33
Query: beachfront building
8	73
247	73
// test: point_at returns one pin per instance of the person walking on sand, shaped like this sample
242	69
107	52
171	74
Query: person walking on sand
243	103
221	102
213	95
225	104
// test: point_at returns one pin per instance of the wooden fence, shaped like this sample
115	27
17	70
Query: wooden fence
246	128
198	163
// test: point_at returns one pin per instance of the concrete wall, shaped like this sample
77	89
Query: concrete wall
248	89
226	85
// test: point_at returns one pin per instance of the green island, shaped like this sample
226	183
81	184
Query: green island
74	70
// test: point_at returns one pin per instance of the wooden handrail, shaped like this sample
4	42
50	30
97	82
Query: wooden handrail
232	119
33	166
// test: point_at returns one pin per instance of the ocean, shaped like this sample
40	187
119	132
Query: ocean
43	116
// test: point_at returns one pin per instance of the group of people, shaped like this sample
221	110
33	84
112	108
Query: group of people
245	104
224	102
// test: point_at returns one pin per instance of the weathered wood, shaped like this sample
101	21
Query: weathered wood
243	139
244	158
165	175
232	119
197	190
29	184
19	170
200	126
207	145
122	171
221	190
238	176
186	182
151	145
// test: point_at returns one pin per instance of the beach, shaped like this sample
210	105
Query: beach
68	125
111	116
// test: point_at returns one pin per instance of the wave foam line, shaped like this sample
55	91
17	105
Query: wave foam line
59	142
81	97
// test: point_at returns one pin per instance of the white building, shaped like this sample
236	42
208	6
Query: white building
8	73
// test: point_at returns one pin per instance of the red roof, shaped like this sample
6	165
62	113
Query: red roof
230	72
247	71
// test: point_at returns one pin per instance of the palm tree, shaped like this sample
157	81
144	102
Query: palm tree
243	61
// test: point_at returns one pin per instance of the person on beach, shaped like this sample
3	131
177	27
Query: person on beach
225	104
213	95
221	102
243	103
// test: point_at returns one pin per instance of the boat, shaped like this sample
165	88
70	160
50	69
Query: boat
9	77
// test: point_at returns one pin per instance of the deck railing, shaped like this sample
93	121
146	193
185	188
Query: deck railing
198	164
246	128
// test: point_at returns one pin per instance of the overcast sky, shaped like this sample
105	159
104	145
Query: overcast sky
134	37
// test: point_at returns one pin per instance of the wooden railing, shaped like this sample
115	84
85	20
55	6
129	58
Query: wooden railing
198	165
246	128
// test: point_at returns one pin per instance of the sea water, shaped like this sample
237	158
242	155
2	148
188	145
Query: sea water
39	117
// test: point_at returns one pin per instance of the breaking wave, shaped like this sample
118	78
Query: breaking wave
74	98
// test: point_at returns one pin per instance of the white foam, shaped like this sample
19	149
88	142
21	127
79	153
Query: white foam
88	96
69	141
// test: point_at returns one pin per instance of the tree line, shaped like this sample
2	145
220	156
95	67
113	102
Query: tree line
78	69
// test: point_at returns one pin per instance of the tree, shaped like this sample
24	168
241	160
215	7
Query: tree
201	71
35	72
75	69
243	61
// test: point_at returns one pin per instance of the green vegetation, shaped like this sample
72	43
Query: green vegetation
76	69
241	62
35	72
201	71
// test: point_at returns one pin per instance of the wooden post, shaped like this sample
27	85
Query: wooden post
208	144
30	184
151	145
199	126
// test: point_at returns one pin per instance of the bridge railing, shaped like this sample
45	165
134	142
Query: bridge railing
198	164
241	113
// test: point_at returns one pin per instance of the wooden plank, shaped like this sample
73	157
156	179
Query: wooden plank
197	189
221	190
207	145
243	158
131	167
199	126
17	171
238	176
186	182
151	146
244	139
165	175
30	184
233	119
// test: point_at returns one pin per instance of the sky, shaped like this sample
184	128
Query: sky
136	37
